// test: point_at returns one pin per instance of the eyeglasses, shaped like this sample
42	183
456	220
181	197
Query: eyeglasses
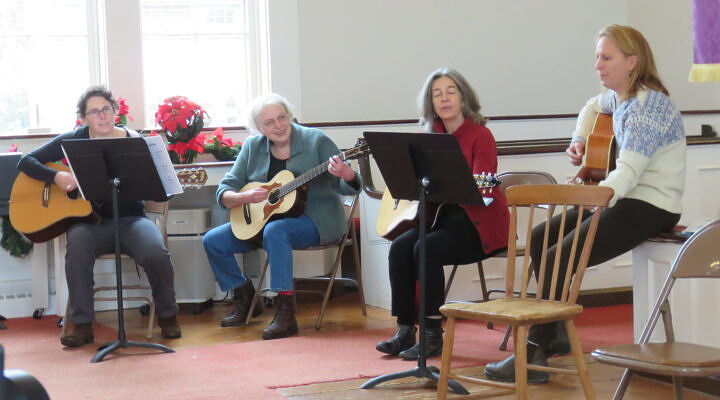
107	110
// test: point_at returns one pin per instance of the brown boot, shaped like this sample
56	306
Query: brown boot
243	296
169	328
81	334
284	323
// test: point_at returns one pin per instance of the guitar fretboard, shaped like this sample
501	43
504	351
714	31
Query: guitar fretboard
306	177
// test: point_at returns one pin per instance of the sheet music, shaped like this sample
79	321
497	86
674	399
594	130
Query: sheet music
164	166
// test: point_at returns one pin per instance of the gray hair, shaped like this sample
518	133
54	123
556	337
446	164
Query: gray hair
470	104
260	102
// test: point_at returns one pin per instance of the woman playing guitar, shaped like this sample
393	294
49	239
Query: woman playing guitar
281	147
648	179
462	234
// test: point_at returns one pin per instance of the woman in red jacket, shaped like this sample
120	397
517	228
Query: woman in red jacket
461	234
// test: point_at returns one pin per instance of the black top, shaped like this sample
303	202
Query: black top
276	165
33	164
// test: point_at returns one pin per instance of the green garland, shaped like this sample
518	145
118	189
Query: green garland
12	241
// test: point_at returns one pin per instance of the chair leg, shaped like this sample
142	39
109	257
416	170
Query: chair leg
151	321
257	292
577	353
358	269
442	384
623	385
483	287
678	386
521	371
450	280
66	319
329	288
503	344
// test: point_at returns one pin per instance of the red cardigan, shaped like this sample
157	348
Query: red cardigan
480	150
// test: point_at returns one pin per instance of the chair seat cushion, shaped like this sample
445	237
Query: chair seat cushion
676	354
513	311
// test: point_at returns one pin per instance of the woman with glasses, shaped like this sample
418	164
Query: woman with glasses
139	237
278	144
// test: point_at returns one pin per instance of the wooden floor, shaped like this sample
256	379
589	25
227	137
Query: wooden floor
202	329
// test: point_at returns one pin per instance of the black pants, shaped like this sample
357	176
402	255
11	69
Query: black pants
452	240
621	227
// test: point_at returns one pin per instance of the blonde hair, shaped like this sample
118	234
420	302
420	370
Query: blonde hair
470	103
632	43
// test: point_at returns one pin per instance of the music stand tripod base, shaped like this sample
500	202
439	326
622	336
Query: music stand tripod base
109	347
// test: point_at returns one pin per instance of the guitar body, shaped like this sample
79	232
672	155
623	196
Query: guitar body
395	216
248	220
286	197
43	211
600	152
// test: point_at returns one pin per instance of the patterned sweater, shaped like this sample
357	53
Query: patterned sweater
651	147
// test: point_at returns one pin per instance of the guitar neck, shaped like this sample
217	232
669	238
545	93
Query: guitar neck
306	177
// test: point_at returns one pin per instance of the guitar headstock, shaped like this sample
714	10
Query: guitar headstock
193	178
486	180
360	150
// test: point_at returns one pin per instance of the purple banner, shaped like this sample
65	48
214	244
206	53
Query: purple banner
706	27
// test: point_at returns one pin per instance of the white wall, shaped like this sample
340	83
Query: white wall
360	61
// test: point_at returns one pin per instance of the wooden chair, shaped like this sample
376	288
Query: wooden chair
349	238
507	179
523	311
699	257
157	212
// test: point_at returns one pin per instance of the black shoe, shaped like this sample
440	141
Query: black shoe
242	296
560	344
284	323
404	339
504	371
433	346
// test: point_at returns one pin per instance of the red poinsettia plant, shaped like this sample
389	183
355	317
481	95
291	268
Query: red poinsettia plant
123	112
223	148
182	120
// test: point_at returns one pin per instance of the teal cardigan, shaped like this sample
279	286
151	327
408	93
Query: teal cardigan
309	148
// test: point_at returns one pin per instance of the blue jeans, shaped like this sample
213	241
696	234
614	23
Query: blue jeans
280	237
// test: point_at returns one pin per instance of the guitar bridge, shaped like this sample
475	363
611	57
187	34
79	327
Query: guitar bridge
246	213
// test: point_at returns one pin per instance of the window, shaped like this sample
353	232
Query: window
42	64
212	51
207	50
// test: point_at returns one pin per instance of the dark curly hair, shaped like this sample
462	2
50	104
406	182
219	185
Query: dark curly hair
93	91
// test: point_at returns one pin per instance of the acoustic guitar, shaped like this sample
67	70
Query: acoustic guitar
284	198
42	211
397	216
600	152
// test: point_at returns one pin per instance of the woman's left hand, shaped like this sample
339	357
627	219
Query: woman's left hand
338	168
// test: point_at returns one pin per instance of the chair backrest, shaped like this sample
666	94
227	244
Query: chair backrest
699	257
512	178
564	198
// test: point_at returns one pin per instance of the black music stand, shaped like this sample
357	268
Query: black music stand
108	170
424	167
8	166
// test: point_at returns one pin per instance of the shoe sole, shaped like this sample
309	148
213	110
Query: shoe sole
280	335
497	378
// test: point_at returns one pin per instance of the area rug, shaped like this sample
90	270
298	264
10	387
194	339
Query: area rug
250	370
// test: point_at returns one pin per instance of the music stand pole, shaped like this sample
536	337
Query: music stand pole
122	341
422	370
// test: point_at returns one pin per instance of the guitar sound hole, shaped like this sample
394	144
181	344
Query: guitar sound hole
73	194
273	197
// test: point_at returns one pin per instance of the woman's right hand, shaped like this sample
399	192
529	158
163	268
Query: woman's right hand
231	199
575	151
65	181
255	195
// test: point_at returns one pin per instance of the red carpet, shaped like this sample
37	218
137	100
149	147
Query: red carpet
248	370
